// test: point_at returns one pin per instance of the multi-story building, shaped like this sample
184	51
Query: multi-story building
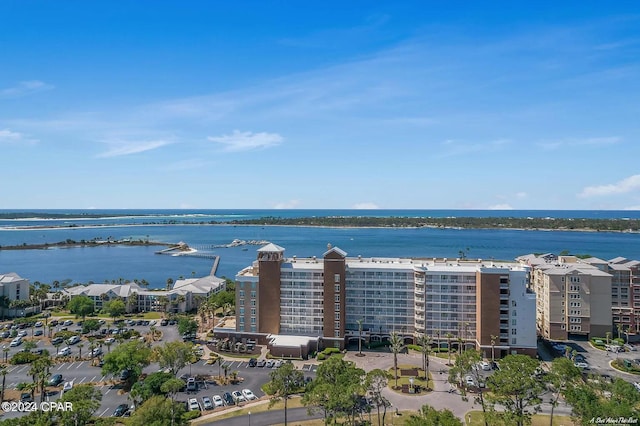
14	287
478	303
573	296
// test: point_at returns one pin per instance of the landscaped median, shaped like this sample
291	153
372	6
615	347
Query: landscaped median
406	375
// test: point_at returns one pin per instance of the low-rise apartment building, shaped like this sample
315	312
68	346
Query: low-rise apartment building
478	303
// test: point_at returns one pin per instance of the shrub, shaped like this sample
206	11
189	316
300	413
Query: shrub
23	358
66	334
190	415
321	356
374	345
331	351
415	347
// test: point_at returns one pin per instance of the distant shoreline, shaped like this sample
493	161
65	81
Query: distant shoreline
83	243
354	222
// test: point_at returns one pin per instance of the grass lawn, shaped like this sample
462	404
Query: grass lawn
390	419
536	420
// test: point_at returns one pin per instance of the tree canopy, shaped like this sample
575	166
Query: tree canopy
81	306
173	355
158	411
187	326
86	400
132	356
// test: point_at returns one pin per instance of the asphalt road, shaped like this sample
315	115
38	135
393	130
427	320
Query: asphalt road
267	418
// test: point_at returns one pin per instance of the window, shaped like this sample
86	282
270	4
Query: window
336	278
336	325
337	288
337	316
513	341
336	333
241	320
513	321
241	293
337	298
253	320
241	311
337	307
514	331
513	313
253	302
253	311
253	294
241	302
513	303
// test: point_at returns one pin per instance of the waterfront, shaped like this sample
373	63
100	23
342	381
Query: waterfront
114	262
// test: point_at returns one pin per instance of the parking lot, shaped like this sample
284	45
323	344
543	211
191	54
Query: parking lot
85	371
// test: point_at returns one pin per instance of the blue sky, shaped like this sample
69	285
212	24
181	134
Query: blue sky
156	104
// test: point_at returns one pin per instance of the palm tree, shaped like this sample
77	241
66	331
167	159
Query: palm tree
3	372
80	346
619	327
108	346
360	321
169	283
449	336
425	348
437	333
40	373
608	336
395	344
132	302
4	304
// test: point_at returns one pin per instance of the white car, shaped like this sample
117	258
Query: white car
67	323
277	364
238	397
109	340
485	365
469	381
217	401
38	324
66	351
153	322
194	405
67	386
23	333
637	386
582	365
73	340
248	395
16	342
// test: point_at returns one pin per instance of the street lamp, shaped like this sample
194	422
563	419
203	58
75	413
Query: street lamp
411	385
249	418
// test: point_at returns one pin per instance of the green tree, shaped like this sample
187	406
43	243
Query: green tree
150	386
376	381
158	411
81	306
39	371
187	326
115	308
429	416
360	321
467	365
3	372
395	344
336	390
517	388
86	400
601	399
172	386
132	356
90	325
173	355
563	374
449	336
285	380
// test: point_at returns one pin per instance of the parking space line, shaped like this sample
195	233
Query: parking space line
93	380
12	384
12	368
103	413
83	379
70	365
102	380
61	365
80	364
22	369
108	390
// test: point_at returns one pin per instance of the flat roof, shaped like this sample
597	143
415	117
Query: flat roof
291	341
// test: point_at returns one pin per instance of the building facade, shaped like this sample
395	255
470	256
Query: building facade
482	304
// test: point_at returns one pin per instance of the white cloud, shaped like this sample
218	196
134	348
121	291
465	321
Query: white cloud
500	207
629	184
25	88
9	136
291	204
576	142
118	148
365	206
521	195
245	141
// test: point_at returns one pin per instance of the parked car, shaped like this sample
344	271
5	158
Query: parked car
228	399
55	380
469	381
73	340
67	386
22	333
269	363
5	334
67	323
120	410
238	397
580	358
192	386
125	374
217	401
38	324
109	340
57	341
206	403
16	342
26	397
164	322
66	351
37	333
248	394
253	362
582	365
96	352
485	365
53	323
260	363
194	405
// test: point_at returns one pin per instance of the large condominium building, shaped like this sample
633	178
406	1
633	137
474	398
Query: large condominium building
573	296
14	287
478	303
